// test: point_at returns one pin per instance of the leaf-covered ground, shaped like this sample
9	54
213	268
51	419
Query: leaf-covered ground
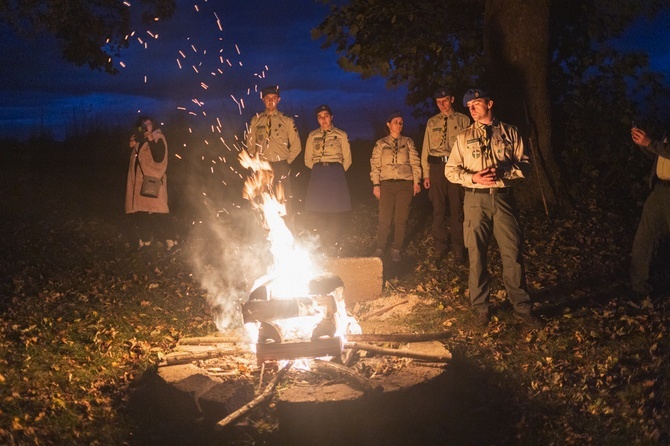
84	316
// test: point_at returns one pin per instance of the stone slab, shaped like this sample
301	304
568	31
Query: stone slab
362	277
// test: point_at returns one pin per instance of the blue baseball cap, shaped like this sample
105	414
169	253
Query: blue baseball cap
393	115
474	93
272	89
442	92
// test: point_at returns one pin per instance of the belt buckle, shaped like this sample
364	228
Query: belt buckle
444	158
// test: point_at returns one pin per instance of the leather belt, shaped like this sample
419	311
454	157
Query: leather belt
437	159
331	163
490	190
394	180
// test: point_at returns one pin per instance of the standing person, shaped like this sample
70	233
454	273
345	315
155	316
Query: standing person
273	136
328	154
655	221
149	156
396	177
441	131
488	158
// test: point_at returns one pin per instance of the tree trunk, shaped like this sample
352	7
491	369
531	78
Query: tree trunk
516	44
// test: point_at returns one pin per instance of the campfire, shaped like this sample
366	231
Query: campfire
294	311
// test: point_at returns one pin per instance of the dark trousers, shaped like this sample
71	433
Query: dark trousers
329	226
394	202
654	226
442	190
494	215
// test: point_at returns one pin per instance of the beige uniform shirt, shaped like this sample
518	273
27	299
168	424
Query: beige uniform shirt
331	146
274	137
391	161
472	152
438	139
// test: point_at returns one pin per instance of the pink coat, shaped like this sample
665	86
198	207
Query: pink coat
136	202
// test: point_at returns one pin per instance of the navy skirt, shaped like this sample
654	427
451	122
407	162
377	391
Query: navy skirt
328	190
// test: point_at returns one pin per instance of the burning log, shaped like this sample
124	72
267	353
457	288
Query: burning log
294	350
275	309
400	353
256	401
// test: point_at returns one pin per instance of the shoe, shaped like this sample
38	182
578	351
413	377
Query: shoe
395	255
378	252
529	319
483	319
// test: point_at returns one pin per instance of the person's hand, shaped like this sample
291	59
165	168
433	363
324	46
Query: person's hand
486	177
132	141
426	183
640	137
376	191
417	189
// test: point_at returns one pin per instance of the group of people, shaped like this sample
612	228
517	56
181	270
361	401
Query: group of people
469	167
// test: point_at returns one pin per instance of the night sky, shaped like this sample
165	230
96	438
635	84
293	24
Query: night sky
196	68
213	74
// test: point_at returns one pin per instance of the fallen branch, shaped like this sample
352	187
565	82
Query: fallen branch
256	401
204	340
186	357
398	337
382	310
400	353
356	380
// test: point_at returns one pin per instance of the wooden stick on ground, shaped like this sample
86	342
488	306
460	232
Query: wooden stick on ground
382	310
210	340
400	353
186	357
356	380
398	337
256	401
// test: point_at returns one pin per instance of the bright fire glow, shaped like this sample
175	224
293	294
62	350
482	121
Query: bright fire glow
292	268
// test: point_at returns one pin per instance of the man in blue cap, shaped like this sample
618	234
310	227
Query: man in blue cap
488	159
441	131
274	137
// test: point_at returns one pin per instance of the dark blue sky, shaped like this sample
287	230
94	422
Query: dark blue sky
194	68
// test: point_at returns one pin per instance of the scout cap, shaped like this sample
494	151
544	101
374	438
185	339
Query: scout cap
442	92
272	89
393	115
321	108
474	93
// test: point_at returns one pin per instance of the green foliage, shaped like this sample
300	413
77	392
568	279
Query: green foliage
90	32
422	45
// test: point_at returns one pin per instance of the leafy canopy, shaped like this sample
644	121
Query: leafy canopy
90	32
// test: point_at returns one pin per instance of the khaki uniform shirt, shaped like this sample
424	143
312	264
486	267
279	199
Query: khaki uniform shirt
438	140
395	162
273	137
331	146
471	153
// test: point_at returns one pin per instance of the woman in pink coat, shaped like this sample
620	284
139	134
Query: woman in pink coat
149	157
